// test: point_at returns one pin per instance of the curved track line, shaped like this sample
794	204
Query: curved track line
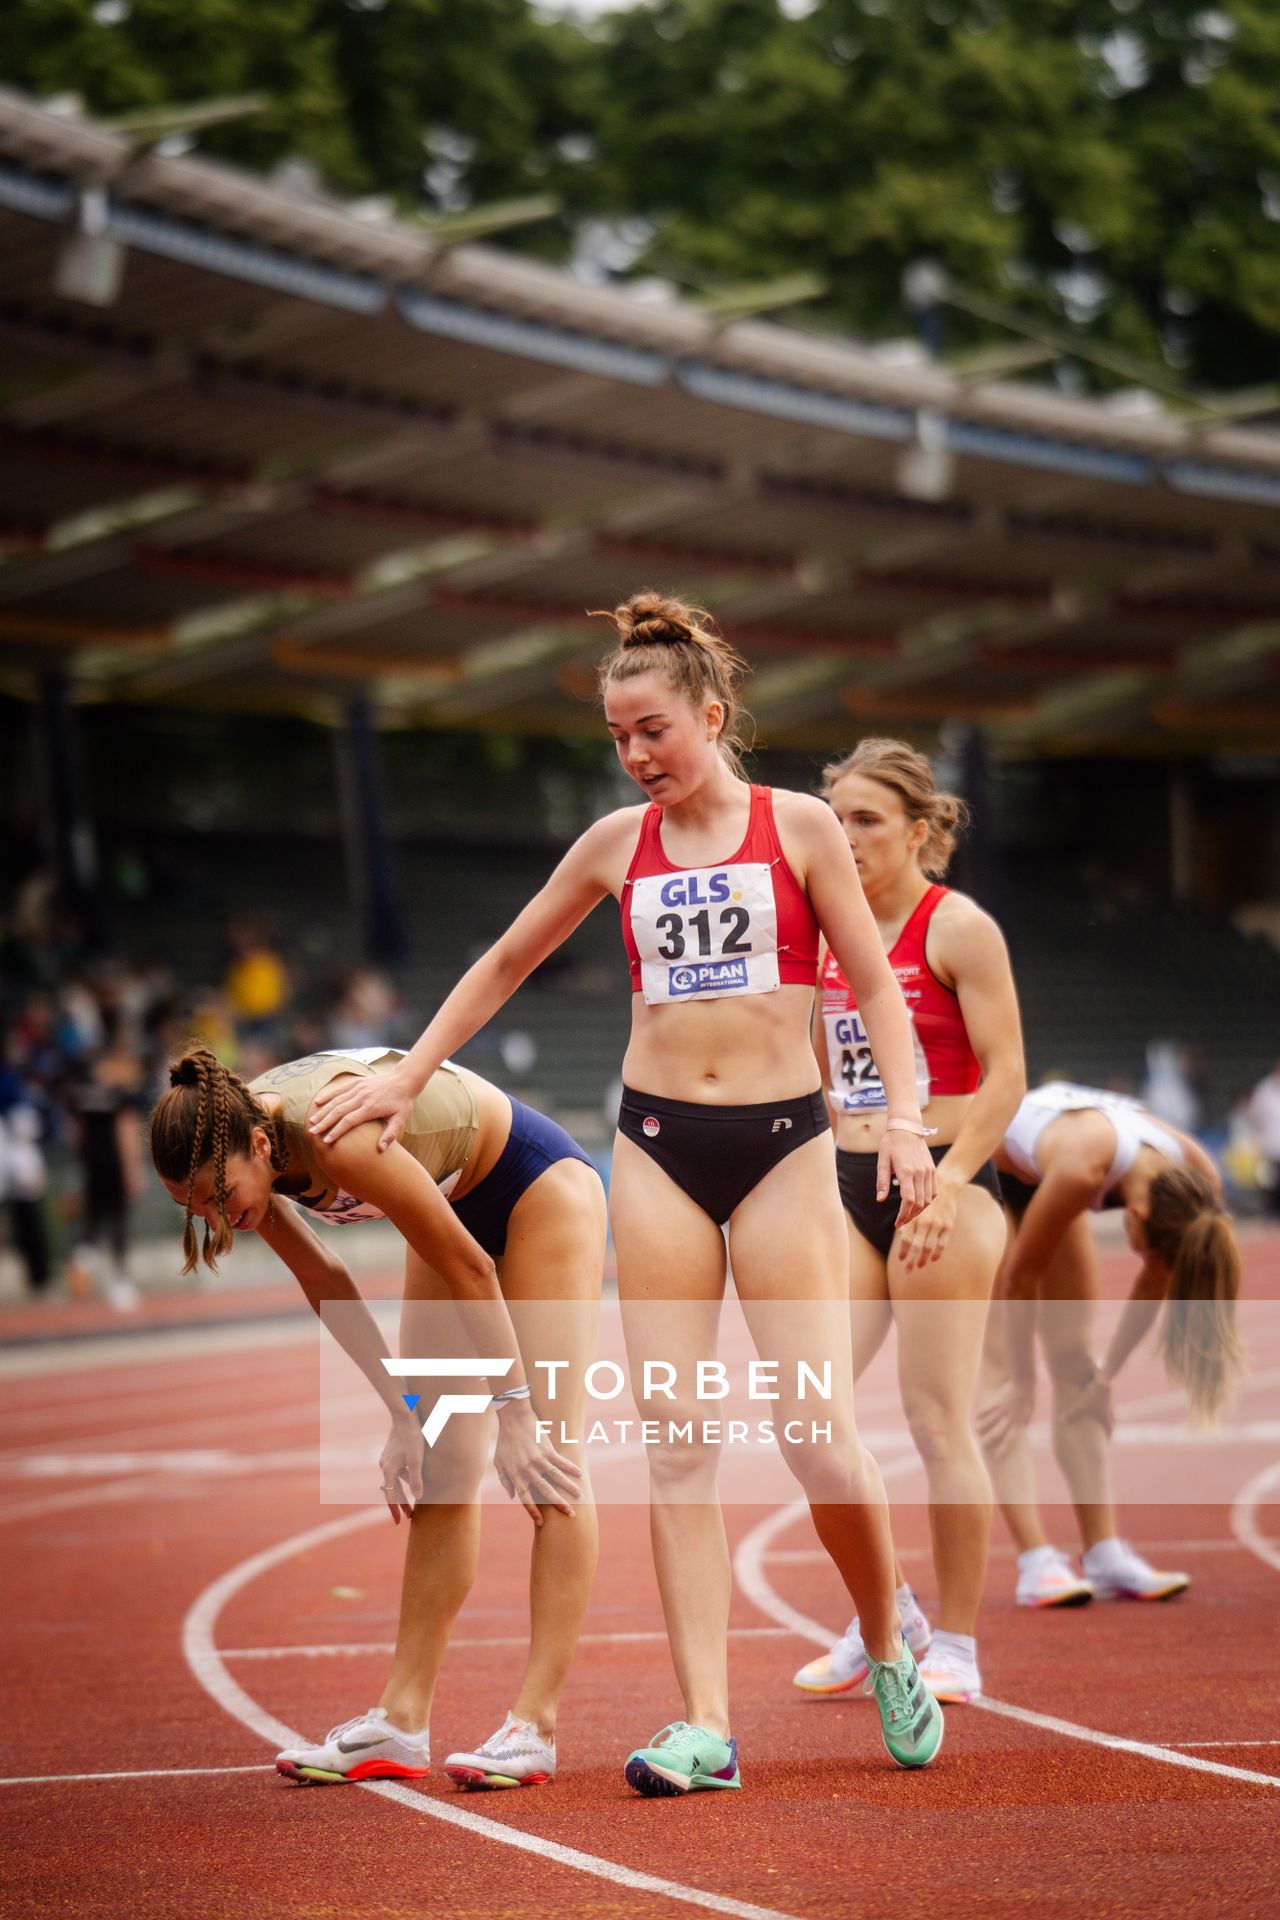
1244	1516
206	1664
748	1567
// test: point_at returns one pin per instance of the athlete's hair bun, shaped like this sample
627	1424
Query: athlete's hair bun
660	634
191	1068
647	619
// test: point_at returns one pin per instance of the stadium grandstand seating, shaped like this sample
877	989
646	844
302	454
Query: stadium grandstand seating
1102	970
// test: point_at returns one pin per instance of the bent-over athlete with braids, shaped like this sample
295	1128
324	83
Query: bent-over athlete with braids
500	1211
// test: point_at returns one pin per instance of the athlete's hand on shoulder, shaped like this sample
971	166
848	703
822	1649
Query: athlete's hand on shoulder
530	1469
401	1462
905	1157
925	1238
1003	1418
349	1102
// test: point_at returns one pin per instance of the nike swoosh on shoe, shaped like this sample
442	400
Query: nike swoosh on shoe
361	1746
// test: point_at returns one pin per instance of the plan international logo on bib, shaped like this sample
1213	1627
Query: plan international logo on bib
720	976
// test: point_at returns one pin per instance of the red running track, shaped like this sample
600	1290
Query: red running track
167	1609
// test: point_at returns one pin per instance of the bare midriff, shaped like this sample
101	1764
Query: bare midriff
724	1053
862	1132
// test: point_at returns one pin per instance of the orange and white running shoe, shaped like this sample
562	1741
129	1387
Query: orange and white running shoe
846	1663
366	1748
1046	1578
1117	1571
515	1756
950	1672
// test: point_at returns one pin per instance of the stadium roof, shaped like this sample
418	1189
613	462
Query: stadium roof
261	453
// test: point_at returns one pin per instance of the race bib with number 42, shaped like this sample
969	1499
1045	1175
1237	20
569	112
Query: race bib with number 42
705	933
855	1077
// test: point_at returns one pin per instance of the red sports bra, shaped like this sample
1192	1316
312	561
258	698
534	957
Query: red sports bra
945	1062
701	933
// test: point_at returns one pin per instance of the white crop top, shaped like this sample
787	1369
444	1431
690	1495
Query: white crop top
1134	1128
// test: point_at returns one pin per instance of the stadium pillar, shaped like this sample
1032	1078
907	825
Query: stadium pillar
370	867
982	864
73	851
1182	836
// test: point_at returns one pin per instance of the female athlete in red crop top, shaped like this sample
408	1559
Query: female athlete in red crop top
722	889
950	961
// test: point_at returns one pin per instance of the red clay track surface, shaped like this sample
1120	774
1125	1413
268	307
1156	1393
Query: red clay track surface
177	1602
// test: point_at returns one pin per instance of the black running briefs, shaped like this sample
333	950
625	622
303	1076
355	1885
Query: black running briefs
874	1219
718	1154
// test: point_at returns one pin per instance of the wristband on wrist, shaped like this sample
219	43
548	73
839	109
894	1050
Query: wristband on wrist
505	1398
910	1126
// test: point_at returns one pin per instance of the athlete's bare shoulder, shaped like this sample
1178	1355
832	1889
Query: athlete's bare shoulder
963	941
958	918
805	826
607	846
615	829
803	808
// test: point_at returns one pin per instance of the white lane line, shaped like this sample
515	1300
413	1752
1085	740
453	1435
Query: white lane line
812	1556
144	1773
100	1353
1244	1515
206	1663
749	1572
1242	1433
1068	1728
137	1486
1222	1743
162	1434
494	1640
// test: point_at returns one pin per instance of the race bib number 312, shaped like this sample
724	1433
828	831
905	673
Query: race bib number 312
706	933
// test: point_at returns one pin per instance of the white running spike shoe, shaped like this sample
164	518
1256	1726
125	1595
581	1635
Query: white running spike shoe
515	1756
1046	1578
951	1674
365	1748
1118	1572
847	1663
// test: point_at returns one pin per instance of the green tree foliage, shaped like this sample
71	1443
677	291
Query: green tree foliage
1110	165
435	103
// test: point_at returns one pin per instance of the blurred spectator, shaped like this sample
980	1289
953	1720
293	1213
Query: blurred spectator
212	1024
1169	1090
368	1011
22	1178
1263	1112
518	1051
256	981
107	1127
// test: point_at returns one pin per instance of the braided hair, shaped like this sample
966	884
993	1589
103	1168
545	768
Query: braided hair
207	1115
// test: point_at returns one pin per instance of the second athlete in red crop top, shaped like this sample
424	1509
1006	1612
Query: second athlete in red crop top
701	933
945	1062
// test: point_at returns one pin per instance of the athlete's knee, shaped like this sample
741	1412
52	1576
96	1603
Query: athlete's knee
679	1452
835	1474
939	1431
452	1469
1070	1367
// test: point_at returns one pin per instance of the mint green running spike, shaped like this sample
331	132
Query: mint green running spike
910	1718
683	1759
